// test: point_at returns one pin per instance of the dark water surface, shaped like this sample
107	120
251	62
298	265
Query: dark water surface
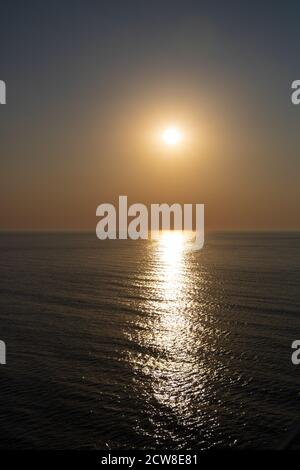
124	344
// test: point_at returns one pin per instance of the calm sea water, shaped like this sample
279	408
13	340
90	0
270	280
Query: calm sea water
123	344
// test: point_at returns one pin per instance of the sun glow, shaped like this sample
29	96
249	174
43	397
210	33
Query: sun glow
172	136
171	245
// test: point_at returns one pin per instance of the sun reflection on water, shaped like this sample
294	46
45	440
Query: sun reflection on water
168	330
170	253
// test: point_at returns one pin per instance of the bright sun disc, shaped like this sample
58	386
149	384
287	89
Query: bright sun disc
172	136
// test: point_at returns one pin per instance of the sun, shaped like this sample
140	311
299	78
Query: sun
172	136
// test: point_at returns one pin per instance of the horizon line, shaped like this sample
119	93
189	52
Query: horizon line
58	231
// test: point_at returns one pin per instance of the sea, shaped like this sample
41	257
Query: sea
149	344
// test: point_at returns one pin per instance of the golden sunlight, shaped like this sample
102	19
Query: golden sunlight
172	245
172	136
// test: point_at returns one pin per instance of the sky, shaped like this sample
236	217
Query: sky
90	84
